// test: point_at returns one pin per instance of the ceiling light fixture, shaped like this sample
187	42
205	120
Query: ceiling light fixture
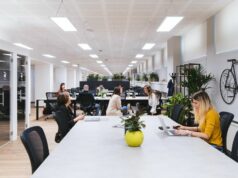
148	46
169	23
65	62
23	46
139	56
93	56
75	65
133	62
64	24
84	46
48	56
99	62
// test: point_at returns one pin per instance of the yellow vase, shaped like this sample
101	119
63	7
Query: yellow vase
134	139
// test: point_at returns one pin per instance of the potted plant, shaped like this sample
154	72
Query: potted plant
133	134
196	79
154	77
179	99
145	77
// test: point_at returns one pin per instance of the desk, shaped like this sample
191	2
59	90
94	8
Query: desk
98	150
103	101
53	100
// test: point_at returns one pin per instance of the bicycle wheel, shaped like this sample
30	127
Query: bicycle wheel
227	86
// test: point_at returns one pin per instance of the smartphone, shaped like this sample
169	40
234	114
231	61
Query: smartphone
176	126
161	128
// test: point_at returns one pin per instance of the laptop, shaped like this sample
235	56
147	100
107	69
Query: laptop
169	132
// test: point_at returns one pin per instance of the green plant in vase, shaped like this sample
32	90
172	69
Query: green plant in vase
133	135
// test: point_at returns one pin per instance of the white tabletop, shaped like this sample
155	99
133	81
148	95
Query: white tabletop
98	150
127	98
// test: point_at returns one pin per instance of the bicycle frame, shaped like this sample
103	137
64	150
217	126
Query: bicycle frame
232	69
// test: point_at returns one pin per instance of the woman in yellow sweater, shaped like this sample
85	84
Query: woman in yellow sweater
207	118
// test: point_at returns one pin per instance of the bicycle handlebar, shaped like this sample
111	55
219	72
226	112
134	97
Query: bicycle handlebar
232	60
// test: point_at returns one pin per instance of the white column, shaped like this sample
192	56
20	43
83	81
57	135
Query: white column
13	97
60	76
43	80
28	92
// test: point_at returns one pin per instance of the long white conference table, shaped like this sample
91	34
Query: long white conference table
98	150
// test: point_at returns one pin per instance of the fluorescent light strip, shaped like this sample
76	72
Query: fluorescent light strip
169	23
93	56
23	46
99	62
148	46
139	56
103	65
65	62
133	62
84	46
48	56
64	23
130	65
75	65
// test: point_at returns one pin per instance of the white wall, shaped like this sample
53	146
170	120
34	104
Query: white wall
43	79
226	25
71	78
194	43
60	76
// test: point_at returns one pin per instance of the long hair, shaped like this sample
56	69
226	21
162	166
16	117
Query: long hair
61	87
63	98
205	104
117	91
149	89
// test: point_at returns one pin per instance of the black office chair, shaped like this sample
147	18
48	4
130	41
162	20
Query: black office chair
87	103
63	125
36	145
234	150
225	122
176	112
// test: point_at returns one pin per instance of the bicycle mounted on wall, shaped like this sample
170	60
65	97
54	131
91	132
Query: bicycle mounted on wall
228	83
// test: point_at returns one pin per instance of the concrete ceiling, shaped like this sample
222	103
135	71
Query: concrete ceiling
116	30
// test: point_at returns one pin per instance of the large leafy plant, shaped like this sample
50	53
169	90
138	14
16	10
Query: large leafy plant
196	79
179	99
154	76
132	123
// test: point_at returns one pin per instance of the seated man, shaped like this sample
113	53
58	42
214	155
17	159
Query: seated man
86	99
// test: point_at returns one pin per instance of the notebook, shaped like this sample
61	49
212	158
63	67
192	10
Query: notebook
91	119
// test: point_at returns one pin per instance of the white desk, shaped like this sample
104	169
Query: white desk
129	98
97	150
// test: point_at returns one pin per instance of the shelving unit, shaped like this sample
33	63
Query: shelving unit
181	76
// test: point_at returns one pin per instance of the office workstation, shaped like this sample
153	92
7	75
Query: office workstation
119	58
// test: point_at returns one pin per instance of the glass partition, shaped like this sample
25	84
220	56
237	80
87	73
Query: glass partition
21	88
5	58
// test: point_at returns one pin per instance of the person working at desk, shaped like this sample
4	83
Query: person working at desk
96	105
61	89
114	107
153	100
64	101
208	119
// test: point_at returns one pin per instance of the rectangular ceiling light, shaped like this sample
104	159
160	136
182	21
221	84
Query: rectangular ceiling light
139	56
84	46
93	56
103	65
133	62
48	56
75	65
64	23
148	46
65	62
169	23
23	46
99	62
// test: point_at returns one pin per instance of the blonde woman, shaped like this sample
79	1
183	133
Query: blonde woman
153	100
207	118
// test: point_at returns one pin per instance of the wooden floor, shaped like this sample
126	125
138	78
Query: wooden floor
14	161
